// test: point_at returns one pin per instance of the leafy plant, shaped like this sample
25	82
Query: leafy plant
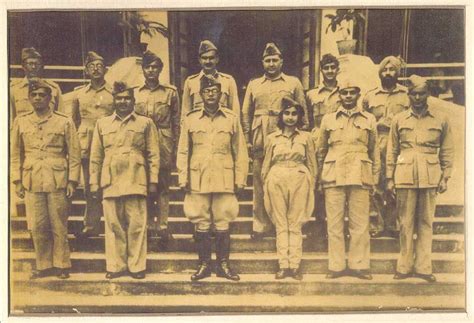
344	14
137	22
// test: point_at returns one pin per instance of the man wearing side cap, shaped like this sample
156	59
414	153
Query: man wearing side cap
160	102
90	103
124	164
32	64
349	164
384	102
260	110
208	59
420	157
212	166
45	167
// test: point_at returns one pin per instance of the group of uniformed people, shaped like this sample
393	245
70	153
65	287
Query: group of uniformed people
393	153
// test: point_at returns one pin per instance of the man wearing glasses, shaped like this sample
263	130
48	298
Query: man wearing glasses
32	65
90	103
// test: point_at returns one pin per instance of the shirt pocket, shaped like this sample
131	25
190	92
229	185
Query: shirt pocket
407	134
196	99
328	174
136	135
60	174
404	171
335	133
26	176
228	174
430	136
223	139
56	139
367	176
225	98
195	175
434	169
161	111
362	128
199	136
109	135
138	170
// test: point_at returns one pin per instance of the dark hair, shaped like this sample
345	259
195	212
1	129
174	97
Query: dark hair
299	110
328	59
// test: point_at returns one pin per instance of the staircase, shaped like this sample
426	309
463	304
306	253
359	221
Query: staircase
168	289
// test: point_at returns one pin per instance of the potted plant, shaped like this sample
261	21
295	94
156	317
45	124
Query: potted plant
340	23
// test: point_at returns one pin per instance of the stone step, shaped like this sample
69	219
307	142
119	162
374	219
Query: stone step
241	225
45	301
250	284
449	243
245	262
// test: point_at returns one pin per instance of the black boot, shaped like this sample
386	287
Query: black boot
203	243
222	255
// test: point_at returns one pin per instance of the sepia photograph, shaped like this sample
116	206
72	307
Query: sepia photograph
236	161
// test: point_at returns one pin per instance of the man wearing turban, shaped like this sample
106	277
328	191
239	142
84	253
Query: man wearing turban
384	102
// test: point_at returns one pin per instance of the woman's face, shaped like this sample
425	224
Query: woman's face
290	117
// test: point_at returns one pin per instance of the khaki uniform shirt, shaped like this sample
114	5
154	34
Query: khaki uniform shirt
347	149
420	149
321	100
262	104
19	102
161	104
384	105
87	106
212	152
45	152
124	155
192	98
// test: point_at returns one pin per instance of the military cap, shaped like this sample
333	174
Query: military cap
397	62
29	52
93	56
150	57
205	46
37	83
271	49
209	81
120	87
328	59
415	81
346	81
288	102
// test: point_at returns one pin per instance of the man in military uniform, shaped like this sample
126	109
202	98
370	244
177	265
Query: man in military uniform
160	102
212	166
260	111
349	164
384	102
32	64
208	59
45	163
90	103
419	162
322	100
124	163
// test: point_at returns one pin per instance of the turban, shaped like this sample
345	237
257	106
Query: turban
346	81
397	62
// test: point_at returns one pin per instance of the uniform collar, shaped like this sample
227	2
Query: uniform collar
103	87
282	76
220	110
425	113
145	86
397	89
356	110
132	115
279	133
201	74
39	120
323	87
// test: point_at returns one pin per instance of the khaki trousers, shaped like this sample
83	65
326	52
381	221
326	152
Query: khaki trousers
47	214
203	210
125	233
158	214
261	221
356	200
416	209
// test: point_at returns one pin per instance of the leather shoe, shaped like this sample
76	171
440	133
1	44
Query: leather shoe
430	278
112	275
35	274
223	270
282	273
361	274
202	272
138	275
63	274
400	276
296	273
335	274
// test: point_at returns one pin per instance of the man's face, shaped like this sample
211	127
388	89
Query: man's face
211	95
152	71
124	102
388	73
39	99
418	96
329	71
96	70
272	64
32	67
209	60
349	97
